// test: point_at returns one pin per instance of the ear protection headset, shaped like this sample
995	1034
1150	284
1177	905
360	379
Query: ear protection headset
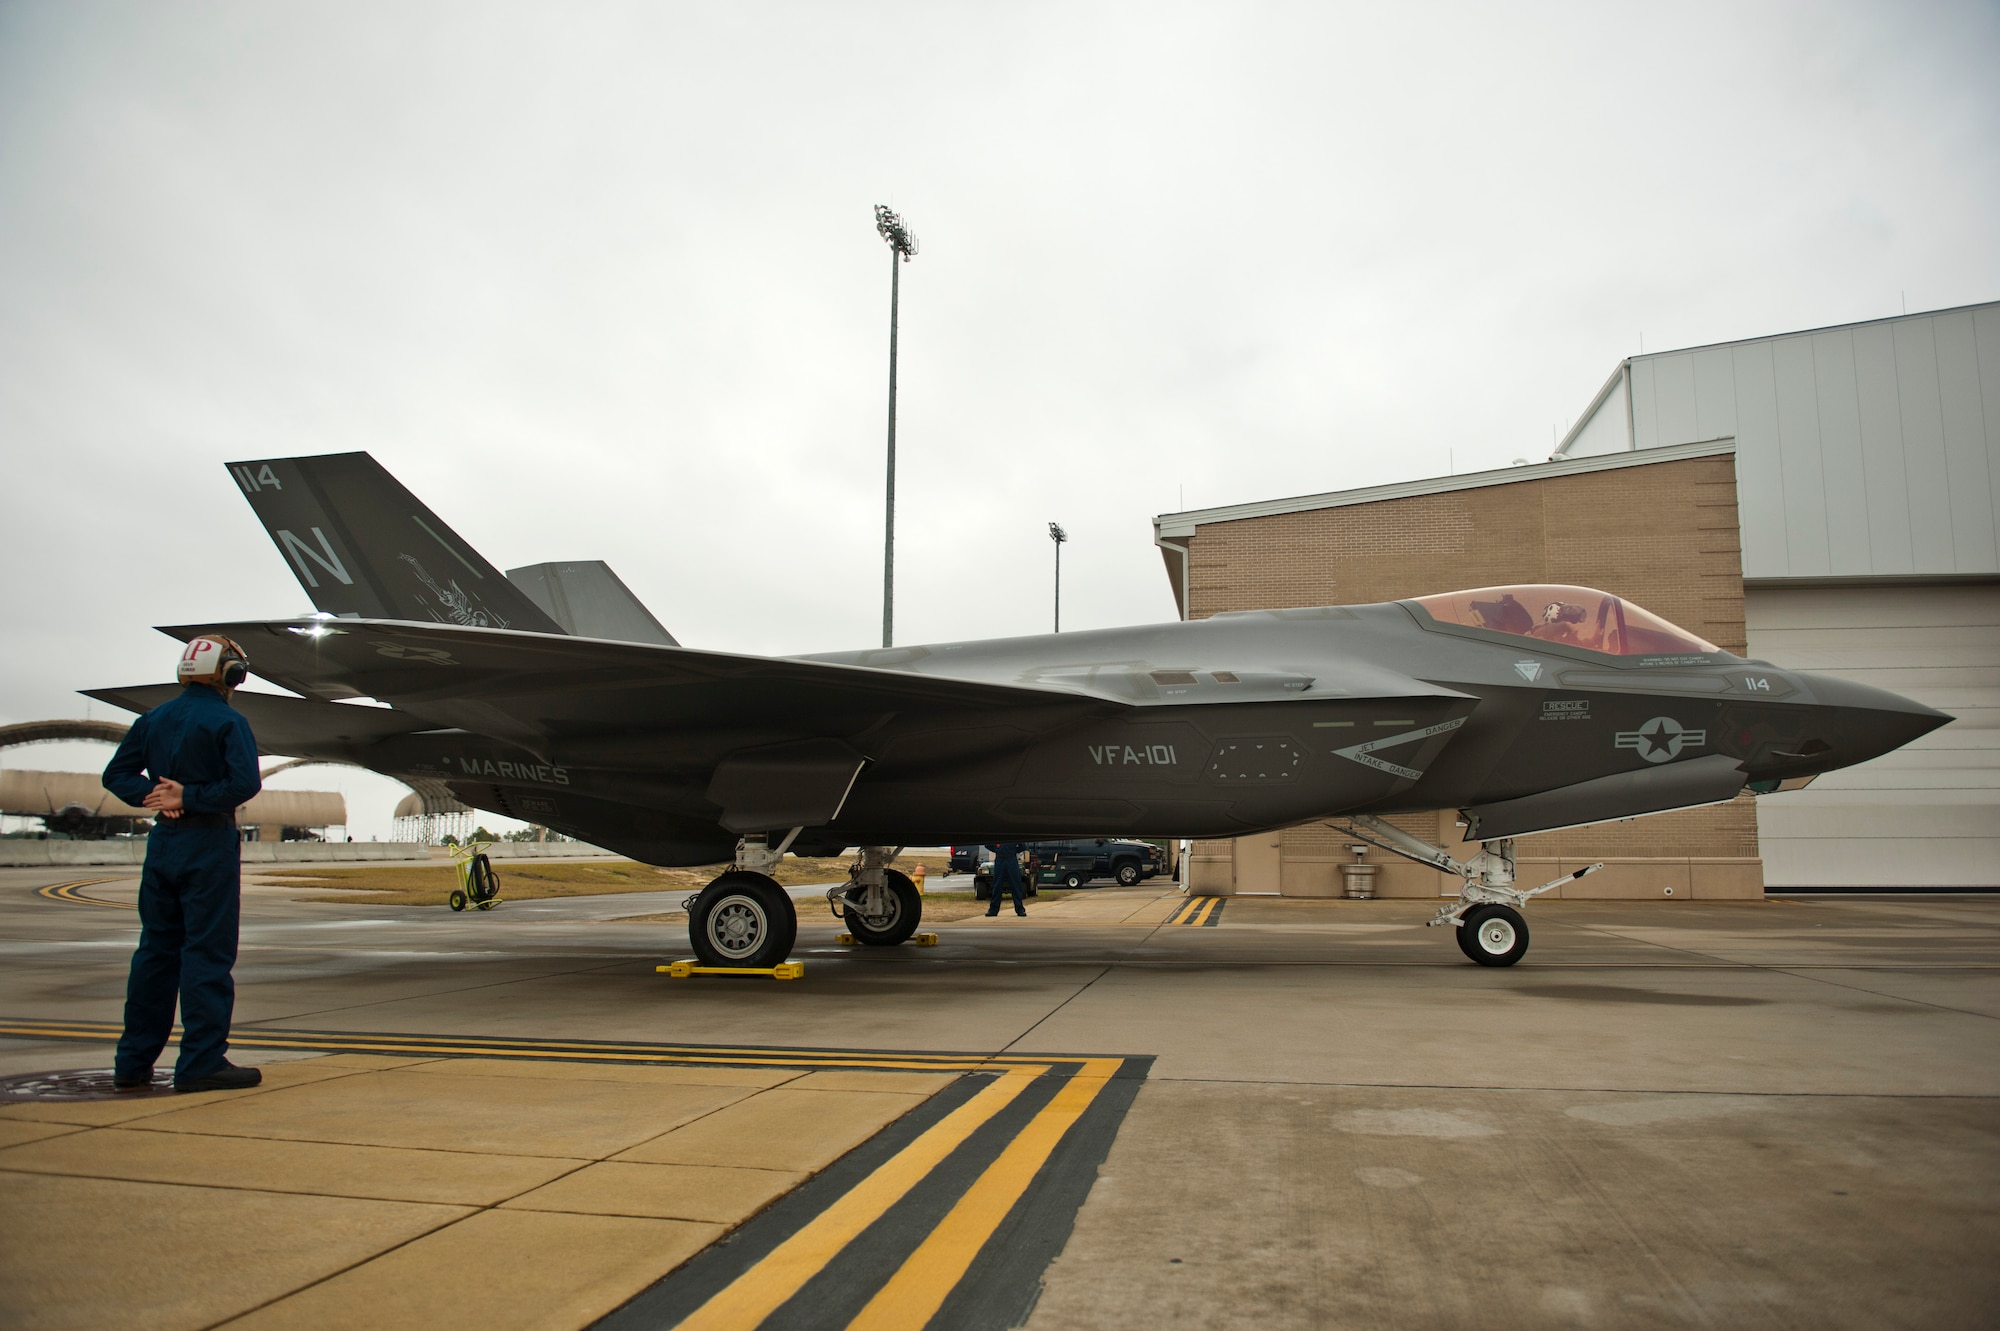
214	660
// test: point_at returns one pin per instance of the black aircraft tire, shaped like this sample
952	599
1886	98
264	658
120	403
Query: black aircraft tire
1128	874
1493	935
743	919
909	912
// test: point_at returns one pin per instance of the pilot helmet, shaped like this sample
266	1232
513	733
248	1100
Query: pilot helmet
213	660
1561	612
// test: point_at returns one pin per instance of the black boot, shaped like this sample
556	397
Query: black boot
138	1081
228	1077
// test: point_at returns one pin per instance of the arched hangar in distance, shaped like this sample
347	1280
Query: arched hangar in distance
1827	500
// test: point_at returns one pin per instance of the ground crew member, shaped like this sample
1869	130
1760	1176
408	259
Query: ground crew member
1006	876
193	761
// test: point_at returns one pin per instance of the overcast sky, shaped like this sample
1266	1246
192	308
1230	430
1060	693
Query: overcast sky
601	280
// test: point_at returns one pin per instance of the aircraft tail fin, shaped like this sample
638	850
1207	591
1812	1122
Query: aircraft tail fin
590	601
363	545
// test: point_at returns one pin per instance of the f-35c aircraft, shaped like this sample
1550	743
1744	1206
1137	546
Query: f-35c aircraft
551	695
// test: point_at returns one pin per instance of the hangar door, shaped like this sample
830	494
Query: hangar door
1927	815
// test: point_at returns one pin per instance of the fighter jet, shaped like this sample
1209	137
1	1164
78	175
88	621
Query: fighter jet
550	694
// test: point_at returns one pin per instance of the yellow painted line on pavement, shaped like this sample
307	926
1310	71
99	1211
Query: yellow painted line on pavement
746	1301
70	892
565	1051
928	1276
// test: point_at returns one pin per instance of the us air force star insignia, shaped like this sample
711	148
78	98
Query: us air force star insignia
1662	738
1528	670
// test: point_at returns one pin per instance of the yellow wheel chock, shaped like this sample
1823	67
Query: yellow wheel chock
681	970
916	940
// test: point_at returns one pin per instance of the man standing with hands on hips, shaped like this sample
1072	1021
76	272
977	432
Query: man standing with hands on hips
193	761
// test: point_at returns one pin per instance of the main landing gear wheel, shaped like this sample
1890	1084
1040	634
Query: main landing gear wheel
1493	935
743	919
903	910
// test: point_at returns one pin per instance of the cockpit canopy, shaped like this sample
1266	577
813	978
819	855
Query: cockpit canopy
1574	616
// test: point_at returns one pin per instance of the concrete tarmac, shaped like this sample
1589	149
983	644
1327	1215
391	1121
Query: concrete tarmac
1779	1113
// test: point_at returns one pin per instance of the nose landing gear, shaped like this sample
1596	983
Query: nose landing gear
880	905
1487	913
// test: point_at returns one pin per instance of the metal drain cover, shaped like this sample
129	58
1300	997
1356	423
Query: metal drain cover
79	1084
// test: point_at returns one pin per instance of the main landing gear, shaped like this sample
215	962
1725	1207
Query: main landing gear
880	905
745	919
1487	914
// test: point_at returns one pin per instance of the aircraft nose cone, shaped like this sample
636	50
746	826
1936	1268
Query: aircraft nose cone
1865	722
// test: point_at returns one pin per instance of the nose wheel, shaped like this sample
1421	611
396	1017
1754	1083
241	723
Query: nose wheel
1493	935
1486	918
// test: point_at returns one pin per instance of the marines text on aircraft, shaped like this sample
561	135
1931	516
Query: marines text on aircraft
550	694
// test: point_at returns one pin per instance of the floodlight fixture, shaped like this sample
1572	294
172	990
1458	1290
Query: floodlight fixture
901	239
902	247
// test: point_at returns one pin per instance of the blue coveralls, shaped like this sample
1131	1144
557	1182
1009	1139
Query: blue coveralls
1006	876
189	892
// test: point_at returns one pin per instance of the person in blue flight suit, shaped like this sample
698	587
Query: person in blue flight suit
1006	877
193	761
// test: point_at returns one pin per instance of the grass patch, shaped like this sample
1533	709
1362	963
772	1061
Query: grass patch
534	880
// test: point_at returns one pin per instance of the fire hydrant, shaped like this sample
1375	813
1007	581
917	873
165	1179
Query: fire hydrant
917	877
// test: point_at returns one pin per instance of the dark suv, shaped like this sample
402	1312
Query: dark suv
1076	862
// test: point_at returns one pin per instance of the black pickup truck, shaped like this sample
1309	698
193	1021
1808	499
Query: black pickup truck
1076	862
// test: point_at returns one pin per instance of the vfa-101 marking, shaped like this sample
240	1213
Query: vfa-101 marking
550	693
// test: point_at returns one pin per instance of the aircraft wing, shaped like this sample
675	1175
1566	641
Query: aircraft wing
551	693
285	726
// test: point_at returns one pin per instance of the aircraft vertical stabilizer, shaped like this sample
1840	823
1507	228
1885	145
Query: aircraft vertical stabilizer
362	545
590	601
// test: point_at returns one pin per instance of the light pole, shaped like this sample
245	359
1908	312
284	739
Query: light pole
1058	535
902	248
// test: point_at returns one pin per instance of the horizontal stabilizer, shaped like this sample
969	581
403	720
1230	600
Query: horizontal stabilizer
590	601
289	727
363	545
1706	780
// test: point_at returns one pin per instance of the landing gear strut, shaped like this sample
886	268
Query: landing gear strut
744	918
880	905
1487	913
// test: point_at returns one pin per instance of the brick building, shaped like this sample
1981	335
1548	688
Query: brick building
1825	499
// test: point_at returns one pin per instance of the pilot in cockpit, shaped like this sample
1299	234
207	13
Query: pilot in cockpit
1561	621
